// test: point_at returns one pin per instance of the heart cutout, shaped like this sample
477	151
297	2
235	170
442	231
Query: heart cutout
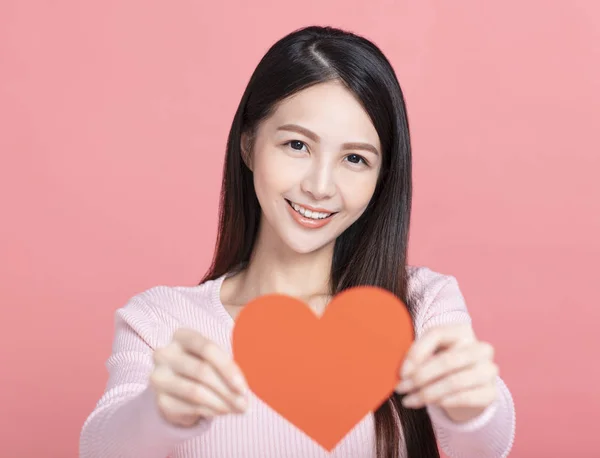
324	375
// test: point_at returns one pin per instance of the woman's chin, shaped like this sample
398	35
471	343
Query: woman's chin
307	247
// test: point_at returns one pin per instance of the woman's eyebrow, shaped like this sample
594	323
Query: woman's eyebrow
300	130
314	137
361	146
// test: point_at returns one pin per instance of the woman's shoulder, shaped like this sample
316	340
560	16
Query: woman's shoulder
159	310
425	283
174	298
436	298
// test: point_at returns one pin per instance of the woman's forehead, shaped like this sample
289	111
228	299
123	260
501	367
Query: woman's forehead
327	109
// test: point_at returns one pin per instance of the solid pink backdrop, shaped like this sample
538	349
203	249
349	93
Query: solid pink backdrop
113	122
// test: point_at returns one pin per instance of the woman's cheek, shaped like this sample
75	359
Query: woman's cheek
286	166
278	170
358	188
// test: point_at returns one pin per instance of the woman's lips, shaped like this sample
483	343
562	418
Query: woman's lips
308	223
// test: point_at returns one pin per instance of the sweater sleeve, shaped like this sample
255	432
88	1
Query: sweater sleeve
491	434
126	421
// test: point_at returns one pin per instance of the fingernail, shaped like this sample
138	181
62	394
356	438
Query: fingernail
407	368
405	385
410	401
239	383
241	403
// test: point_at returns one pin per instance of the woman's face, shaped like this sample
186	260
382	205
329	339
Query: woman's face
315	162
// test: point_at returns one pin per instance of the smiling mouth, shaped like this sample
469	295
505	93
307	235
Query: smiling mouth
317	216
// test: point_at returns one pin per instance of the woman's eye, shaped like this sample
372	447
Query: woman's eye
356	159
296	145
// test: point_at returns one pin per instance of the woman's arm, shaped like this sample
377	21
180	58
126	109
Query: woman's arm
126	421
491	433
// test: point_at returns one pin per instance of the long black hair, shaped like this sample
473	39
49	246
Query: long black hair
373	251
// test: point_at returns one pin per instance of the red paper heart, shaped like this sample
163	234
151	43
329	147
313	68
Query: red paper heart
324	374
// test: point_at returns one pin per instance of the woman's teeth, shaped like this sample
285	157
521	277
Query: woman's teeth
309	214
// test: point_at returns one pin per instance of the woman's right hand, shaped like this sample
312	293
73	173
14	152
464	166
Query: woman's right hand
193	378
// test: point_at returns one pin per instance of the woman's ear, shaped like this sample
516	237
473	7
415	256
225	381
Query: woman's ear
246	149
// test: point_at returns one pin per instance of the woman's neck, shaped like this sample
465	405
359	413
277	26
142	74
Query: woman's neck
275	268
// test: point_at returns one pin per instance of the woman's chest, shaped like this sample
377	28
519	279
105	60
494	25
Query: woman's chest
263	433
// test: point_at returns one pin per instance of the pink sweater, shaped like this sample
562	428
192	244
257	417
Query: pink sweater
127	424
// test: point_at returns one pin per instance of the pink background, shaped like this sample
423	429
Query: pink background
113	121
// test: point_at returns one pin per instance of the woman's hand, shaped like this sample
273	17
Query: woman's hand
448	367
193	378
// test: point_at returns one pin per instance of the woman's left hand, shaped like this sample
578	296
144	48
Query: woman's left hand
448	367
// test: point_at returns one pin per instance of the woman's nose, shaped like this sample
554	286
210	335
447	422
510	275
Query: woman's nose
319	182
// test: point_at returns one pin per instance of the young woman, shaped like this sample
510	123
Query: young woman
316	198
